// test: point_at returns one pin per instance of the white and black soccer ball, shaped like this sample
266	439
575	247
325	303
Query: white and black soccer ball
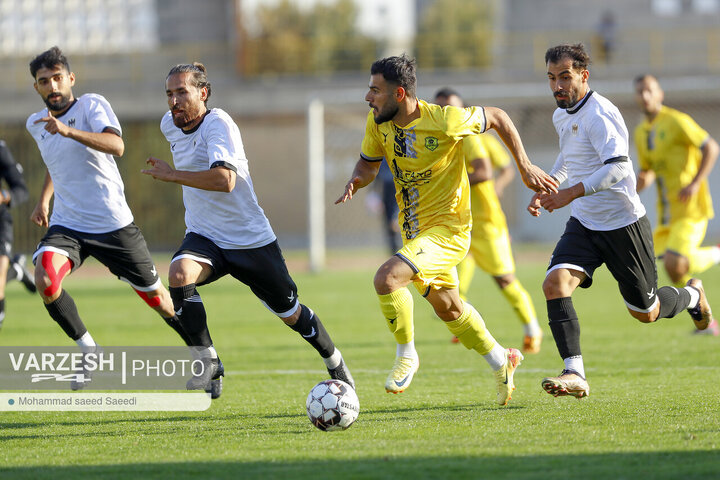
332	405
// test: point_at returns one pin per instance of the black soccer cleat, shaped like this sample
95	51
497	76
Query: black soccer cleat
212	370
84	375
216	384
341	372
22	274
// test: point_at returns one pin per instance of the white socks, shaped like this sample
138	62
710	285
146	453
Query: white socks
86	343
333	360
694	296
496	357
532	329
406	350
576	364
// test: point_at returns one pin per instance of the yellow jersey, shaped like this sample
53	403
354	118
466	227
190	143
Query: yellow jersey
670	147
426	158
484	201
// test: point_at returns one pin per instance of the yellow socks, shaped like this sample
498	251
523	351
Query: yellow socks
470	329
397	307
519	299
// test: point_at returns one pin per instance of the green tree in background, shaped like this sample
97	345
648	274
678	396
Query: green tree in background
292	40
455	34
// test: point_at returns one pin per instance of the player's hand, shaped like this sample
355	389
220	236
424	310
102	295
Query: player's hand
536	179
534	206
686	193
53	125
349	189
40	215
553	201
160	170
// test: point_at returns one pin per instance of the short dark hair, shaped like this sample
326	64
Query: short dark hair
199	75
49	59
644	76
398	70
447	92
576	52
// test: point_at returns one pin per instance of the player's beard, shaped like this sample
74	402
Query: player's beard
187	117
570	102
58	106
386	114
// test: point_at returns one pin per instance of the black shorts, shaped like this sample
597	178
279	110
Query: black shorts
6	232
262	269
123	251
627	252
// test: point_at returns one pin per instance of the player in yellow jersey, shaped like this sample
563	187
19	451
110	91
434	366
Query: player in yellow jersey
678	154
490	242
420	142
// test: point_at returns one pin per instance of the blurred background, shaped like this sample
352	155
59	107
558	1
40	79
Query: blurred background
270	60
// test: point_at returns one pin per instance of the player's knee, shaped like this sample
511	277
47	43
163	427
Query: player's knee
552	288
504	280
383	282
43	283
644	317
179	278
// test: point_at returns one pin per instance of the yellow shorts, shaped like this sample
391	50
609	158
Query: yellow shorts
682	236
490	248
433	255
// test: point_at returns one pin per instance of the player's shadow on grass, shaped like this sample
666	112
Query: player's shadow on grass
669	464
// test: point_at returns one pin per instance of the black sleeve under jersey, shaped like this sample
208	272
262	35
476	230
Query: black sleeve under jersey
11	171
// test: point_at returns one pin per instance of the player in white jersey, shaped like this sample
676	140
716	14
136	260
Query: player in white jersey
78	138
227	231
607	223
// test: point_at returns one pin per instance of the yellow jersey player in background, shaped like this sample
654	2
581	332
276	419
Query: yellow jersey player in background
490	241
421	143
678	154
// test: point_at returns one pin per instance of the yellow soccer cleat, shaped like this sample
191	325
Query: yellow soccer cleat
568	382
701	315
401	374
532	344
504	375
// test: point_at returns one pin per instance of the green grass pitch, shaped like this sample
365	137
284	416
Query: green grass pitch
652	413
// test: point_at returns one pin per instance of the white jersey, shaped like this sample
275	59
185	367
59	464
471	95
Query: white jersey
89	192
593	133
231	220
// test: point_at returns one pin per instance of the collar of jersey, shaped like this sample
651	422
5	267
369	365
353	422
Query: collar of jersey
195	128
68	109
580	104
417	120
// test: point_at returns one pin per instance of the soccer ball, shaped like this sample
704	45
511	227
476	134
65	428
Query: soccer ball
332	405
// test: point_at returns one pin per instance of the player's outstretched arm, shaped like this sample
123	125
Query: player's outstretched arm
534	177
218	179
107	141
363	173
41	214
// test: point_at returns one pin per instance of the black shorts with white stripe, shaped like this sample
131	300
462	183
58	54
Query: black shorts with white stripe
263	269
627	252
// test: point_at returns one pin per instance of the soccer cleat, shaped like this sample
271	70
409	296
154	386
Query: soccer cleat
712	329
401	374
22	273
531	344
216	387
341	372
84	375
700	314
202	379
504	375
569	382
